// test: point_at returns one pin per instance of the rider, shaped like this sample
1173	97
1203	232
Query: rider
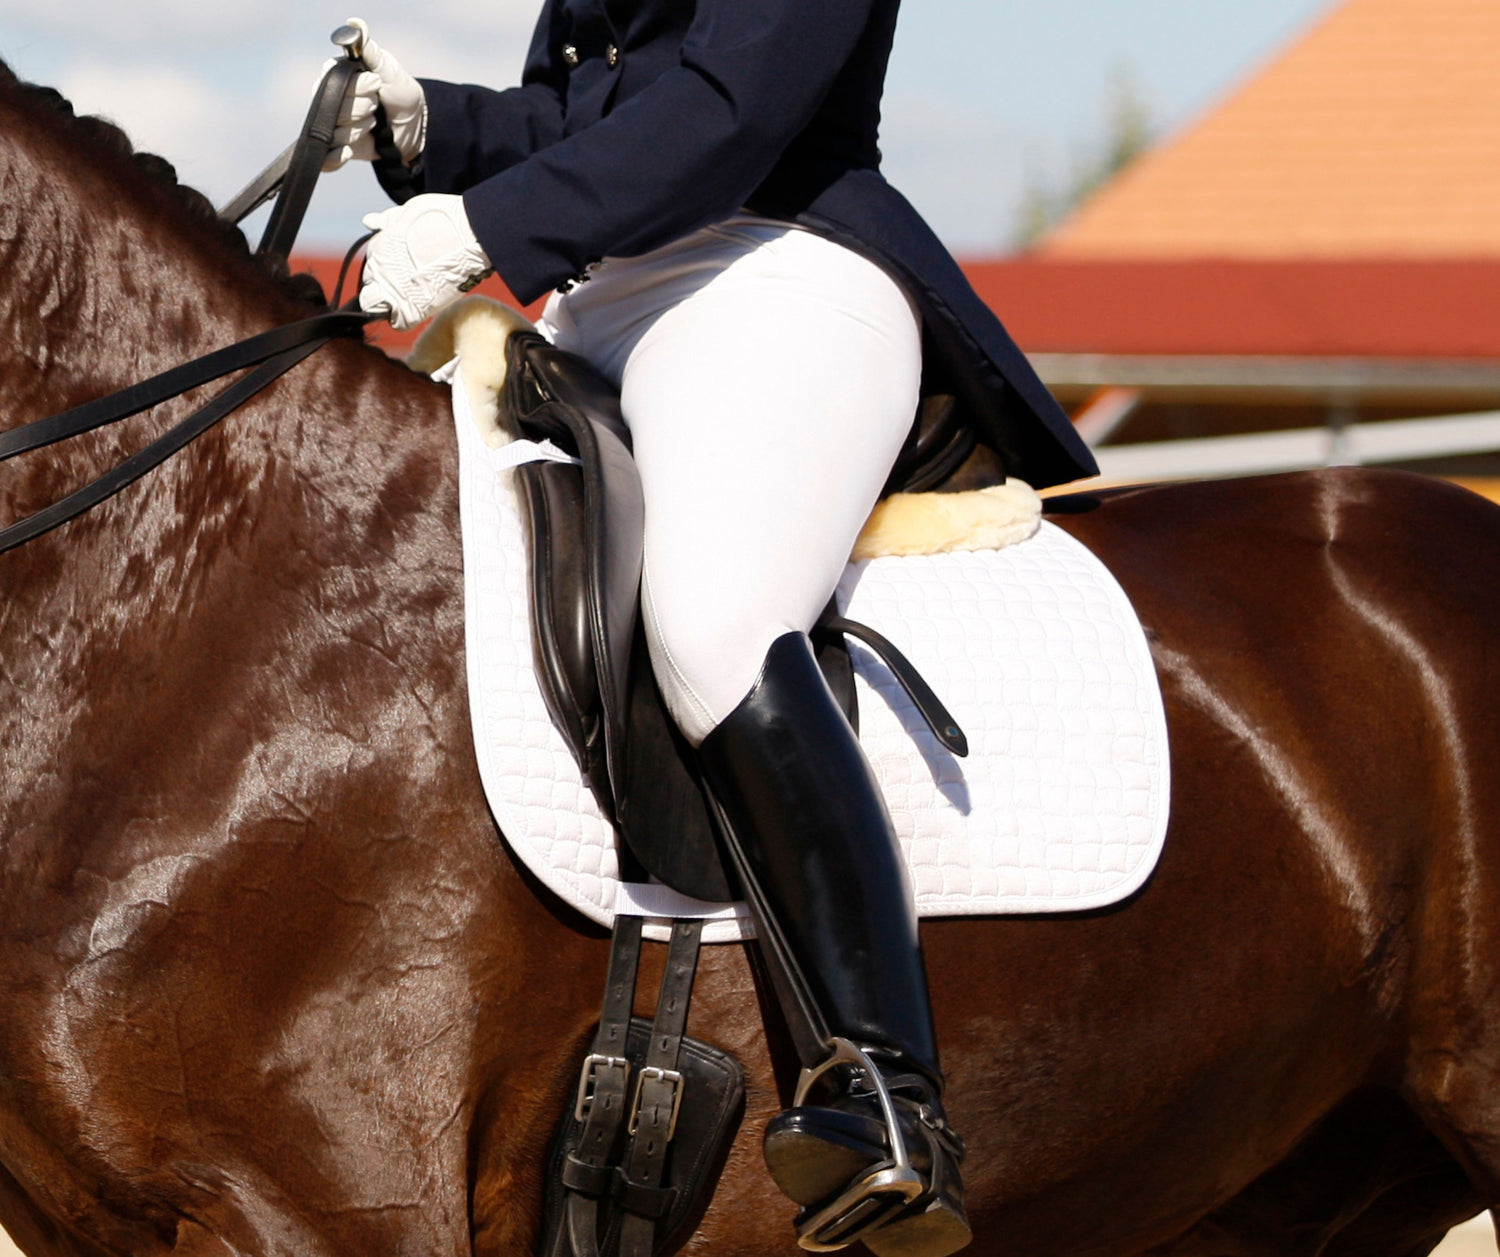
699	182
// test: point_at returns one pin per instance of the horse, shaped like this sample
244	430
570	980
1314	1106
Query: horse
273	984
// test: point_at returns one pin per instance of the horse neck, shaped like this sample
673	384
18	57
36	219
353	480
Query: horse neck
295	573
104	274
261	639
106	278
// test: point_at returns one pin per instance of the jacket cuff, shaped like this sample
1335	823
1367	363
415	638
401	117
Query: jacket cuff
530	264
400	181
445	160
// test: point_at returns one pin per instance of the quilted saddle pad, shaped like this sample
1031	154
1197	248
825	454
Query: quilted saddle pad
1060	806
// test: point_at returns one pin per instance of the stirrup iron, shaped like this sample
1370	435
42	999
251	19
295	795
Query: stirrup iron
881	1192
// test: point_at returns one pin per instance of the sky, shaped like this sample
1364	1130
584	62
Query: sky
984	99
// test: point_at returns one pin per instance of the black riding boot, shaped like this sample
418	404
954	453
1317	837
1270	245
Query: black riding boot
865	1150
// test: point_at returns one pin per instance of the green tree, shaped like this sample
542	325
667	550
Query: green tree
1128	132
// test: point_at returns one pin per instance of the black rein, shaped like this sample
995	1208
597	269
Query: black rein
276	352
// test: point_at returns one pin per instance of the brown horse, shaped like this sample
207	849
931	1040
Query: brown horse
272	984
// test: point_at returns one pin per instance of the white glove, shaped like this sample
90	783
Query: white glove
423	256
382	82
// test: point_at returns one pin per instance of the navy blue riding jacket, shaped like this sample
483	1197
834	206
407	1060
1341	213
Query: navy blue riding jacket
643	120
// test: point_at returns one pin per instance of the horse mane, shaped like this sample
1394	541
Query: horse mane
197	208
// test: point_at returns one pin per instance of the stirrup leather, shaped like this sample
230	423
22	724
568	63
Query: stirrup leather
882	1191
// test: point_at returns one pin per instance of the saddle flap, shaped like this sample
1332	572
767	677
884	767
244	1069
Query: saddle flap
665	818
562	641
587	548
593	516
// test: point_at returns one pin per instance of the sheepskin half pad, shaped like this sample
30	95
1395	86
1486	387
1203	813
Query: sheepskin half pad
1061	805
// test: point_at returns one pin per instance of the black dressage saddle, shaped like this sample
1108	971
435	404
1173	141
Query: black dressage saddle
585	525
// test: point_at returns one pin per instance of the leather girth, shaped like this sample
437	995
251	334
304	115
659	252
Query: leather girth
637	1154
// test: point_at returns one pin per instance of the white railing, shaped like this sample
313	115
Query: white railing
1399	440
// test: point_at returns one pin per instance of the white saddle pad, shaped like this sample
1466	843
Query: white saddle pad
1060	806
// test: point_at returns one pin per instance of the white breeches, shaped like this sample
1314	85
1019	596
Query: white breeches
769	377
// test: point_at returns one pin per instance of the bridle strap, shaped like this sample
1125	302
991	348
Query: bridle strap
293	176
259	190
277	352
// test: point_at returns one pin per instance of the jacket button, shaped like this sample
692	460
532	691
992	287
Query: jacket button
570	54
612	56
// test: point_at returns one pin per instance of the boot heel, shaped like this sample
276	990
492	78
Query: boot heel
940	1229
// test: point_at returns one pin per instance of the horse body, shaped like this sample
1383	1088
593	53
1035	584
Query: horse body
273	985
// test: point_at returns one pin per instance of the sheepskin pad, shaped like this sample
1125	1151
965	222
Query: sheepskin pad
1061	805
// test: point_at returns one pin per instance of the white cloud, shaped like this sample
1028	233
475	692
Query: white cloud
961	167
161	108
222	115
157	25
960	67
219	89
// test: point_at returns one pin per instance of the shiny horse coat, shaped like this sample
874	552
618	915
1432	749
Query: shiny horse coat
272	983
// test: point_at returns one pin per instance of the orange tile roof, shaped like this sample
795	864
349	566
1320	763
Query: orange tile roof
1310	307
1376	134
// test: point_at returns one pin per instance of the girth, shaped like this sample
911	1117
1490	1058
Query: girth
636	1154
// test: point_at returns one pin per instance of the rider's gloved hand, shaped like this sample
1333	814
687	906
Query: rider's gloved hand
422	257
382	82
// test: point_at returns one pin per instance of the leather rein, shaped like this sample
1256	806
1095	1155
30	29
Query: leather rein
290	179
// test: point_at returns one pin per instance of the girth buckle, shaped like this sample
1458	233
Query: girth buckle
588	1080
653	1075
